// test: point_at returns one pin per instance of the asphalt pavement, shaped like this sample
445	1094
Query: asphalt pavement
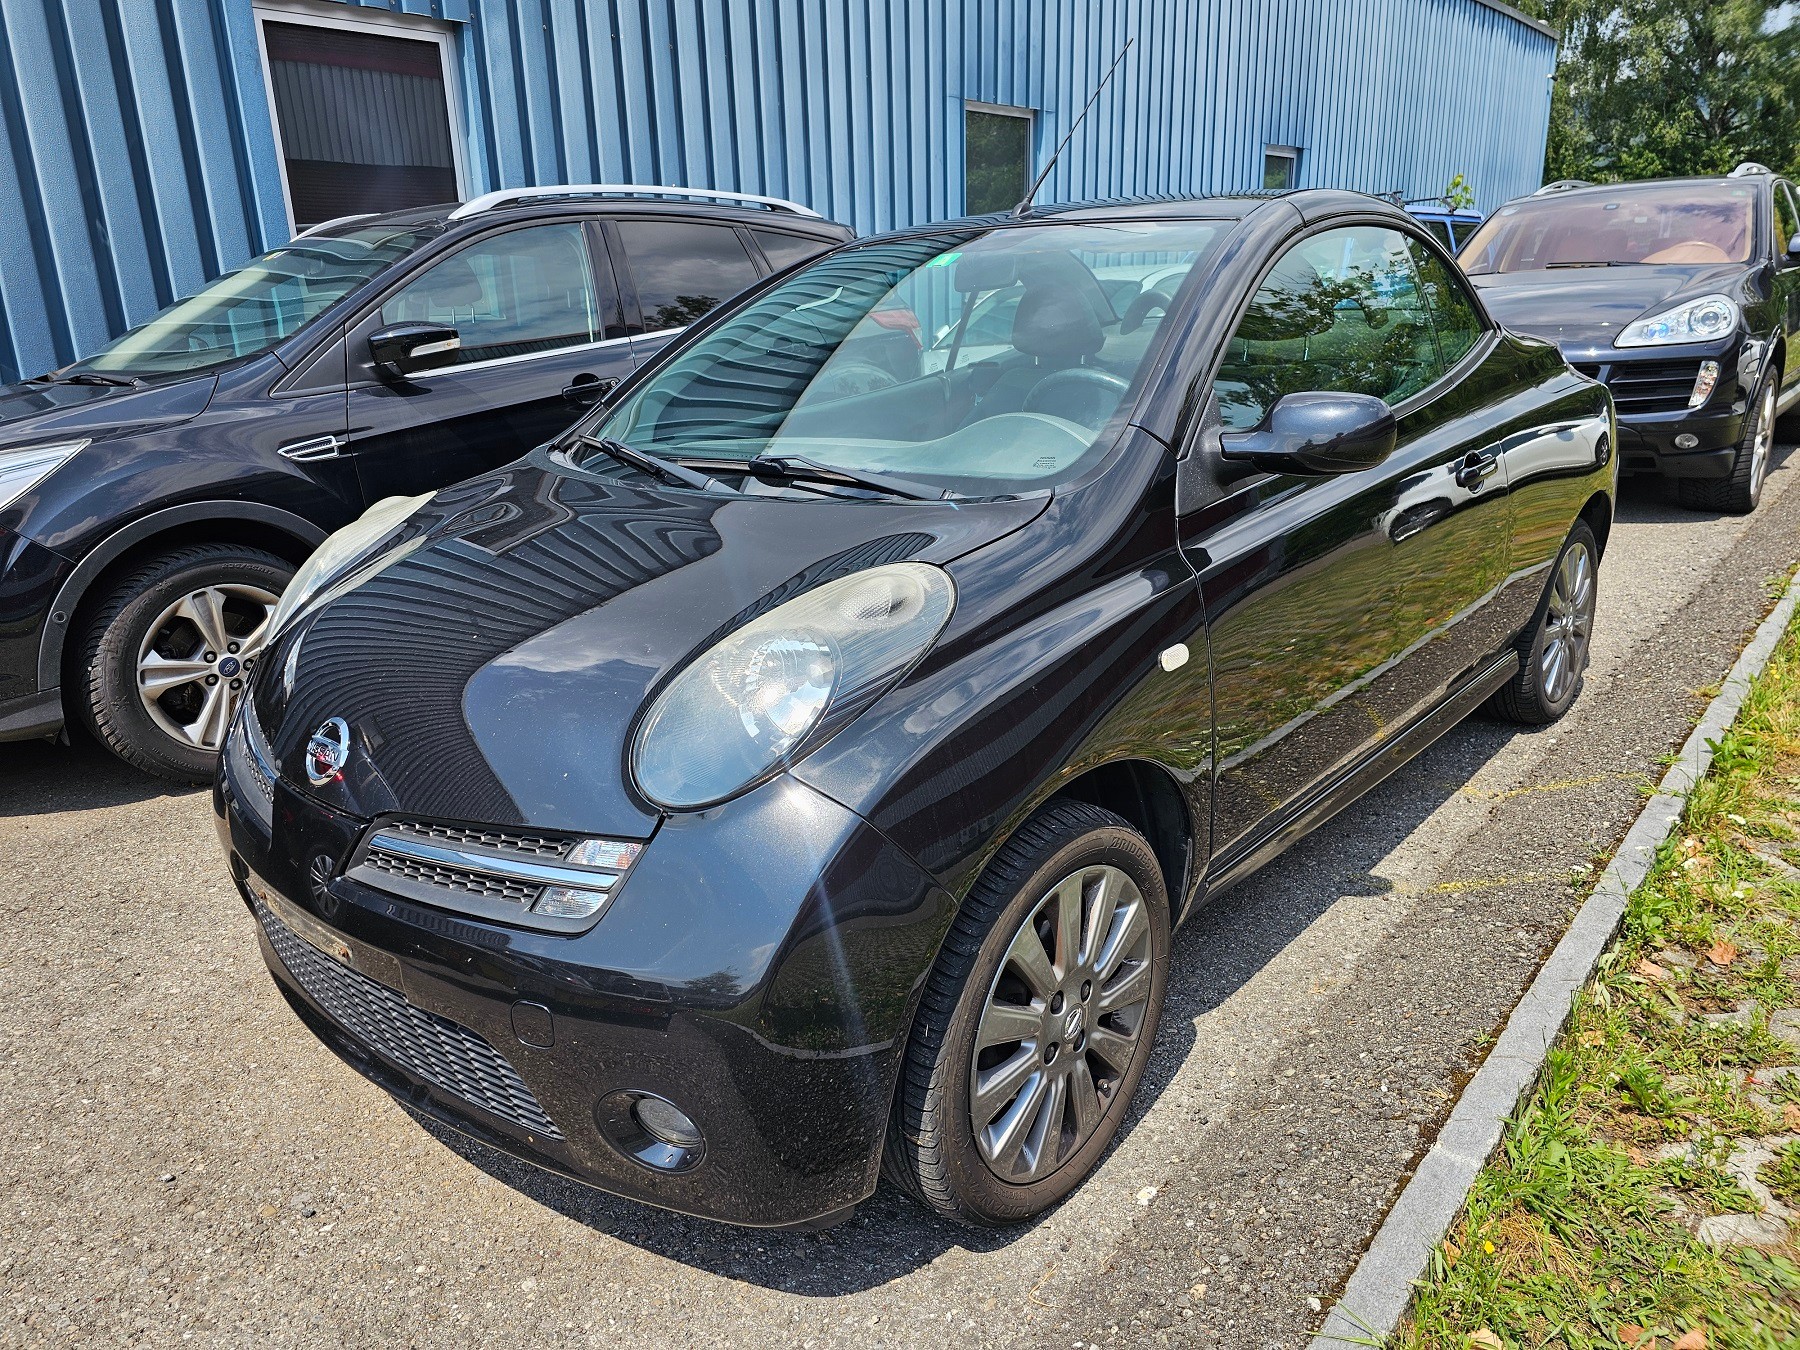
182	1160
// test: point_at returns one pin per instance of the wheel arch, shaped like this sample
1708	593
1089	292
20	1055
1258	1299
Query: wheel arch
1598	513
1147	796
252	524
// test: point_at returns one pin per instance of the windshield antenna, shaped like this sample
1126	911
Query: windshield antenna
1025	205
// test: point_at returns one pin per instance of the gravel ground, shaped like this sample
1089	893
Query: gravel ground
183	1160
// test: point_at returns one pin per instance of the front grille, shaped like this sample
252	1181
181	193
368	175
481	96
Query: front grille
451	878
1647	386
507	841
425	1045
246	770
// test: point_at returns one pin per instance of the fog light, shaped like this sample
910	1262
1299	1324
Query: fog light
666	1121
1704	383
1686	441
650	1130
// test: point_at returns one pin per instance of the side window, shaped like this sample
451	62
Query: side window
1787	225
783	250
1340	311
511	294
682	269
1446	295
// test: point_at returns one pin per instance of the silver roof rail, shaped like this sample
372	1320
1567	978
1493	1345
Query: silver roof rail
489	200
1562	185
1751	169
340	220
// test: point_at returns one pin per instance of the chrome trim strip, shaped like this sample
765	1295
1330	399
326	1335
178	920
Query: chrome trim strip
494	864
312	449
422	376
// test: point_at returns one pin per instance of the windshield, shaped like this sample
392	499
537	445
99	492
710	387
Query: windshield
978	362
1683	223
260	304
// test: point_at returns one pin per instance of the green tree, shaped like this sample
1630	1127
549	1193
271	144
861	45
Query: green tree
1652	88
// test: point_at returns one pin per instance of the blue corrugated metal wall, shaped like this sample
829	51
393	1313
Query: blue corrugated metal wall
137	157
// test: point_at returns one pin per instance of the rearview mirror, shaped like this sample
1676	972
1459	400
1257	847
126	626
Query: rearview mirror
402	348
1315	433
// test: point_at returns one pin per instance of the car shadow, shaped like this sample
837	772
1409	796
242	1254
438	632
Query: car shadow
41	777
1219	950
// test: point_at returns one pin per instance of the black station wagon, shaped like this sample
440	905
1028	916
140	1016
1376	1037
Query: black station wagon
799	767
156	496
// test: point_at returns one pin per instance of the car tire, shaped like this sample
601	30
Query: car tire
1738	493
1553	653
129	687
1043	1009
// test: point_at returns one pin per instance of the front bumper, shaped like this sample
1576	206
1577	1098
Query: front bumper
30	576
1658	432
758	968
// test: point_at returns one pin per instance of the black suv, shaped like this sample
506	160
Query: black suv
1681	295
156	496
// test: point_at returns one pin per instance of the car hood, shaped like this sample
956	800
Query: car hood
495	672
1585	307
31	414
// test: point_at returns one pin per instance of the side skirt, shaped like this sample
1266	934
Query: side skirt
1339	792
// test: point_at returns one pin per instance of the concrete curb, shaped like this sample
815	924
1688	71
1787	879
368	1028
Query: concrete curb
1381	1286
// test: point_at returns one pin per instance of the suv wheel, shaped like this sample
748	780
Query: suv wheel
1553	654
1037	1021
166	656
1738	493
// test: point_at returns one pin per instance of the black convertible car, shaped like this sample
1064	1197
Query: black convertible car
803	762
1682	296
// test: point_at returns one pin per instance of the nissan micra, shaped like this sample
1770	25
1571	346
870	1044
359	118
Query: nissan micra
798	767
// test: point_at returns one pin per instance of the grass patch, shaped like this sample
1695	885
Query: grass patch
1580	1232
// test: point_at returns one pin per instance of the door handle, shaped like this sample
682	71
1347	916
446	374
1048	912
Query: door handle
586	389
1476	468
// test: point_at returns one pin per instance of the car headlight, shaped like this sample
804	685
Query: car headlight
1702	320
21	470
765	695
336	559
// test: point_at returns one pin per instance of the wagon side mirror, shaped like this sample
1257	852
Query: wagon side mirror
1316	433
402	348
1793	253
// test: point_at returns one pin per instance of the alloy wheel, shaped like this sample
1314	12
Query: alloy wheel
1763	443
1062	1024
196	659
1568	623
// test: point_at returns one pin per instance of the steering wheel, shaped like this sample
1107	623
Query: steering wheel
1078	394
1141	308
848	380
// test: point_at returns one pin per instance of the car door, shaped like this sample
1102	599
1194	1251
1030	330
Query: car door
676	271
541	337
1787	276
1335	605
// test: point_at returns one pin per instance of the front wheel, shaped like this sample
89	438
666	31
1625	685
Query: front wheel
166	656
1037	1021
1553	653
1738	493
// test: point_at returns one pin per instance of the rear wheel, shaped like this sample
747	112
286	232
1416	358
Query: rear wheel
1738	493
1037	1021
1553	654
167	655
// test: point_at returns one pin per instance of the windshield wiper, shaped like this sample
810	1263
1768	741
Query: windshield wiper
86	377
799	468
657	467
1611	262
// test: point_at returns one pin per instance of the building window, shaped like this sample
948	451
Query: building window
1281	167
362	113
996	157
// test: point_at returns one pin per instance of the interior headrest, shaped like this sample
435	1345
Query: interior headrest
452	284
1056	323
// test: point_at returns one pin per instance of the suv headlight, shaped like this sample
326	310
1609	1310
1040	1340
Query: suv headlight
336	559
23	469
766	695
1703	320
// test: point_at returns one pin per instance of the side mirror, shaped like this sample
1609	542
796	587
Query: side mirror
402	348
1793	253
1316	433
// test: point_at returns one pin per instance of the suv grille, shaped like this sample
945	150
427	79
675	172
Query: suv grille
1647	386
425	1045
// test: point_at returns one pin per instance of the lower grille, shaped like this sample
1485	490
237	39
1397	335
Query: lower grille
424	1044
1647	386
